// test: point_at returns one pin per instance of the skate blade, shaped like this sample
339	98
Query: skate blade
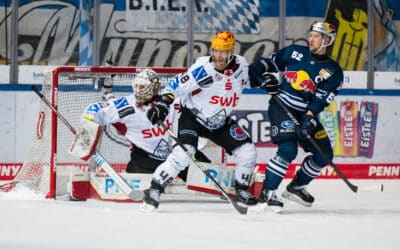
136	195
295	199
263	207
147	208
276	209
257	209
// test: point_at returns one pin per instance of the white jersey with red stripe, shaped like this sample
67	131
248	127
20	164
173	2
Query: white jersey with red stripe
130	120
211	95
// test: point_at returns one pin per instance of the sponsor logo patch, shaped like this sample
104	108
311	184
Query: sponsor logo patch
237	133
199	73
287	124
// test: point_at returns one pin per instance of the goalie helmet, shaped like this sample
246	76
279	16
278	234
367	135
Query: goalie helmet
326	29
223	40
146	85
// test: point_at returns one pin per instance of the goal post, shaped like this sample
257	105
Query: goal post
48	166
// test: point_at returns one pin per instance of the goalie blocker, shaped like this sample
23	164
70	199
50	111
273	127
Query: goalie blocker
99	186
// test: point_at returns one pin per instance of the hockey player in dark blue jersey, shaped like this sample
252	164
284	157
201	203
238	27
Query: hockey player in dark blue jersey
310	81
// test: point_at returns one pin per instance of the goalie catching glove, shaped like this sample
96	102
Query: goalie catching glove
270	84
160	110
86	139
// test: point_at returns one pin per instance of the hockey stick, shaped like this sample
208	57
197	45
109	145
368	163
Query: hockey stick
240	209
353	187
134	195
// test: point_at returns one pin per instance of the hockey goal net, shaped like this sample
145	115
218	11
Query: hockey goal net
71	90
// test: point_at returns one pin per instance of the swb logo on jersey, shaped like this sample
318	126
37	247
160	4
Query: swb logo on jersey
156	131
225	101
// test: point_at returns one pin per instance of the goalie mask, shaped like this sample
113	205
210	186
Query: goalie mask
146	85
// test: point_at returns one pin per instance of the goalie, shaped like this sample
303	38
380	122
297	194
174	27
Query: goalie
129	113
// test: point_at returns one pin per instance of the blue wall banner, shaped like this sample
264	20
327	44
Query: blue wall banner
241	16
154	32
86	33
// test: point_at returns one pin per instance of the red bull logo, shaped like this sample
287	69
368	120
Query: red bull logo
300	80
330	27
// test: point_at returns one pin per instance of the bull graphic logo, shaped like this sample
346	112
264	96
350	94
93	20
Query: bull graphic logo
300	80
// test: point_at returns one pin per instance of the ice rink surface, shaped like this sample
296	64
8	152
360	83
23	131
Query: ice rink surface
339	219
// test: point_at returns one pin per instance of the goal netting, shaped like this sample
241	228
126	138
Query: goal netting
70	89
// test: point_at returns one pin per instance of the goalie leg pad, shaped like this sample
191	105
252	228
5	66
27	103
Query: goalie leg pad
79	186
85	140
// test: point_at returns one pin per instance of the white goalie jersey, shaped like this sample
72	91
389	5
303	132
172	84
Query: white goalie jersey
135	125
210	95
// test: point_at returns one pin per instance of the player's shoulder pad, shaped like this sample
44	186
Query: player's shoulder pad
202	60
294	47
199	70
241	60
95	107
172	84
298	47
123	106
121	102
333	68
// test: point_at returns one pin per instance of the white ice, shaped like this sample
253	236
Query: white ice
339	219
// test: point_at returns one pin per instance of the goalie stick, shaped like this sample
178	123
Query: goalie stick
353	187
134	195
240	209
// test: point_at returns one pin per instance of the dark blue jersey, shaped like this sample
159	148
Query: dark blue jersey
309	82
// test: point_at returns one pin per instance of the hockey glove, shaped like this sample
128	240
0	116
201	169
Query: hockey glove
271	84
158	113
307	127
161	109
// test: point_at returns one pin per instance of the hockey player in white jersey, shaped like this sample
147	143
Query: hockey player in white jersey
209	91
128	114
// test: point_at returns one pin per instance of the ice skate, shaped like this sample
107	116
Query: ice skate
298	194
243	196
270	198
151	198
